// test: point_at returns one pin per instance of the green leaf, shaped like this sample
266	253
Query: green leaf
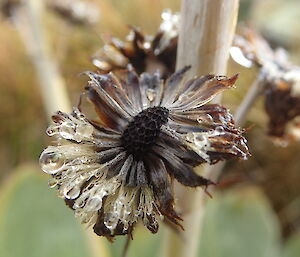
239	224
292	247
34	222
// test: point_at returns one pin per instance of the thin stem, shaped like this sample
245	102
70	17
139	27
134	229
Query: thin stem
248	101
207	29
28	20
126	246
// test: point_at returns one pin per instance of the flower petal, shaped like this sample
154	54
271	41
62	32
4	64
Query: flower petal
111	108
173	85
151	87
182	171
201	91
162	189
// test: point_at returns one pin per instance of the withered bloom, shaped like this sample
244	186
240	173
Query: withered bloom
145	53
279	79
119	170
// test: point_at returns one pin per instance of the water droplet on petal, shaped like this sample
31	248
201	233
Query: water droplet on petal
80	202
103	65
52	130
209	117
220	130
51	162
72	193
147	45
93	204
67	130
111	220
150	94
52	182
83	131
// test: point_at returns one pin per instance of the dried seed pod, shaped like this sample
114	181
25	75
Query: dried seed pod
280	81
144	53
118	170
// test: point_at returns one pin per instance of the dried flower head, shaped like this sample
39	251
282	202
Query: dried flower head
279	79
144	53
118	170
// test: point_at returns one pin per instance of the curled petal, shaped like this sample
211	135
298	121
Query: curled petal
173	85
162	188
203	90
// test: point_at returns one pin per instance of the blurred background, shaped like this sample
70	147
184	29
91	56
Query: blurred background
255	213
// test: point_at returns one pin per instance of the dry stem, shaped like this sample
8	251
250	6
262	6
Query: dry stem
28	20
207	29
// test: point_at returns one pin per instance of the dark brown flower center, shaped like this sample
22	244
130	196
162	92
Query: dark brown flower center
143	130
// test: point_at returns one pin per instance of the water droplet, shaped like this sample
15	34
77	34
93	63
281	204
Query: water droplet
52	130
67	130
79	203
103	65
83	131
93	204
150	94
220	78
52	182
147	45
71	193
125	226
220	130
51	162
111	220
209	117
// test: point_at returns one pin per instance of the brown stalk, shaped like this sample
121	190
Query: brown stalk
207	29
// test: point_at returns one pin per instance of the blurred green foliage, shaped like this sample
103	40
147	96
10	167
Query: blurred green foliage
292	247
240	223
34	223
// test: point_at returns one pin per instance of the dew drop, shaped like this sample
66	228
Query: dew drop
220	130
209	117
93	204
67	130
83	131
72	193
150	94
51	162
80	202
103	65
52	182
147	45
111	220
52	130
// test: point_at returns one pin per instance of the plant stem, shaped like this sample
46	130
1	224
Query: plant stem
28	19
248	101
207	29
